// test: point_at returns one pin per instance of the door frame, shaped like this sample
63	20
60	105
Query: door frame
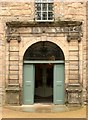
46	62
40	62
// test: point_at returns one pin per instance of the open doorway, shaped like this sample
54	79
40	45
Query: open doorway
43	74
43	83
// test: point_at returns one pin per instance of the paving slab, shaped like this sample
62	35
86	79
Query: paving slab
43	111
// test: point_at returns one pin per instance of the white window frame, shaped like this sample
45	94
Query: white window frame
41	11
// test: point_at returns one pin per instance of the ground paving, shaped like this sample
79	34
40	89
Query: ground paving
44	111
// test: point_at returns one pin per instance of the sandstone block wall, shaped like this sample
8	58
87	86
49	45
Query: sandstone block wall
87	50
12	53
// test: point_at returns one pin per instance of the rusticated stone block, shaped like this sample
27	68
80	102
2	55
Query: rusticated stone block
14	81
73	76
14	48
13	63
13	77
14	53
13	95
14	68
14	72
14	57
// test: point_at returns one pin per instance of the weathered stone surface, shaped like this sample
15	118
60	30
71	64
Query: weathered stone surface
13	72
12	51
14	58
14	68
14	63
87	54
13	77
12	96
14	48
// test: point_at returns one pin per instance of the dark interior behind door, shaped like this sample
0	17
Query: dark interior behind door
43	83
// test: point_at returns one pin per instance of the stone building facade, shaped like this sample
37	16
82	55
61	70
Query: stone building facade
21	35
86	53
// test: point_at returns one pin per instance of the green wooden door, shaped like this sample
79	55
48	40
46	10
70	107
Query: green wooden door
28	84
59	90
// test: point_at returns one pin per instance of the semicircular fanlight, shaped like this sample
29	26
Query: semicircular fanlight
44	50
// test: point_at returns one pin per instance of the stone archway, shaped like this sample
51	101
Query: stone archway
43	55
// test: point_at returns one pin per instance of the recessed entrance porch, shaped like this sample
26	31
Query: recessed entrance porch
43	74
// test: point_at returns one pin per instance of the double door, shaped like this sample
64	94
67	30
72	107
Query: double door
43	83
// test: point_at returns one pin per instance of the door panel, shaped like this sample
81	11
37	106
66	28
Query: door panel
59	90
28	84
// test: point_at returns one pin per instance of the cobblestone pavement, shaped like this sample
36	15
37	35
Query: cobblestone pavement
44	112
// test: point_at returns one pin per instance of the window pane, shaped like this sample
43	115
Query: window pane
44	0
44	15
38	7
50	0
38	15
44	7
50	15
50	6
37	1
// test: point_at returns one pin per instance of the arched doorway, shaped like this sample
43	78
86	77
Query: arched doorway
43	74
